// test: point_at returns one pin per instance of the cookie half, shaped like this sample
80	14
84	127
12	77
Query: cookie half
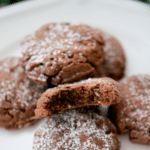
18	95
132	114
114	62
98	91
62	53
79	129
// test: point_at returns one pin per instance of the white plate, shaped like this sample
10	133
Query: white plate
129	21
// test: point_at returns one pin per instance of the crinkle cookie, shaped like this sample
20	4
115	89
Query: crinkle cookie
114	59
98	91
79	129
132	114
18	95
62	52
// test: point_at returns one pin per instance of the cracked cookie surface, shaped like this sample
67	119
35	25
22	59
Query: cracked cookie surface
78	129
132	114
18	95
62	53
98	91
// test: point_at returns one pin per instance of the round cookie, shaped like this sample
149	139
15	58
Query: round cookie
62	52
18	95
98	91
114	62
132	114
79	129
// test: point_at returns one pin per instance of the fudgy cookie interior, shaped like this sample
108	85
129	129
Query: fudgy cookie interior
90	92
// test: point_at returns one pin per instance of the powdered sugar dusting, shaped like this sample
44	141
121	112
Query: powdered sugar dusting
56	36
108	48
112	48
114	59
138	101
56	39
89	80
16	83
74	130
17	92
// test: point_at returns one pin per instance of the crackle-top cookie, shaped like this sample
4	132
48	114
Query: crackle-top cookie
18	95
79	129
62	52
132	114
98	91
114	59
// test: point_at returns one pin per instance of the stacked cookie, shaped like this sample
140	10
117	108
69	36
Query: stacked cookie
132	114
90	92
18	95
63	74
61	53
82	128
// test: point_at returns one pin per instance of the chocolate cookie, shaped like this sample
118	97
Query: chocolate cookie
100	91
132	114
114	59
18	95
79	129
62	52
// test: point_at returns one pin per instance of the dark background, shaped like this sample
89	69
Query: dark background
145	1
8	2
